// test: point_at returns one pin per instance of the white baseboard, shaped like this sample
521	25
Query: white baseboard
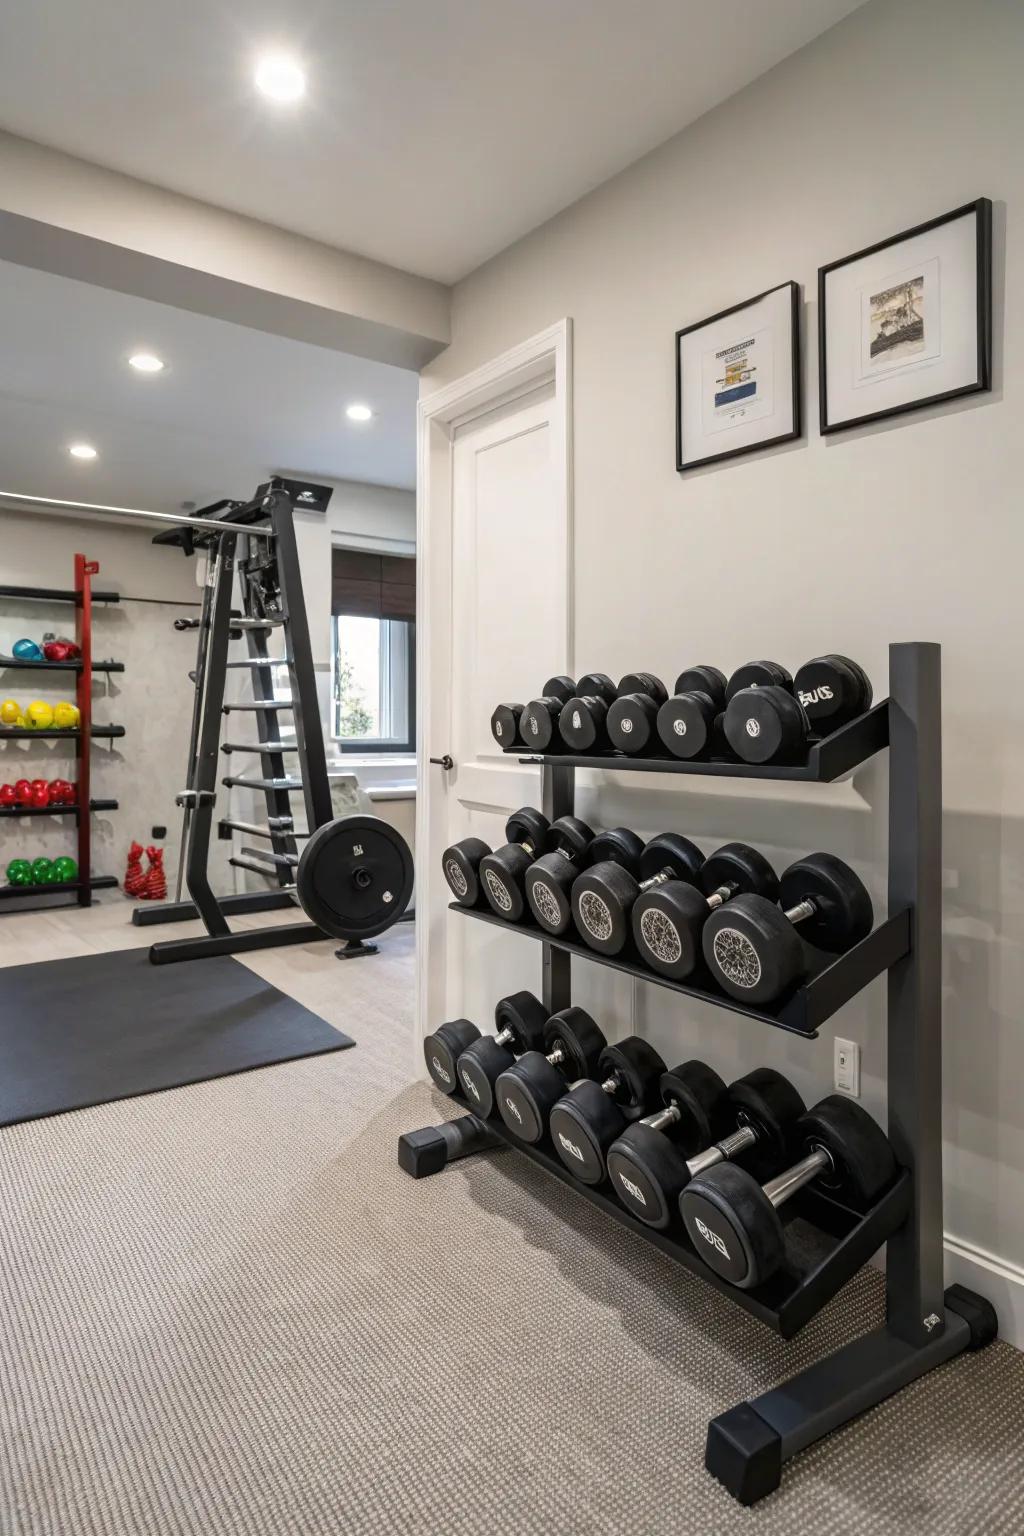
999	1282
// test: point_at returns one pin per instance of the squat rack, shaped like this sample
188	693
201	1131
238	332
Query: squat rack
924	1326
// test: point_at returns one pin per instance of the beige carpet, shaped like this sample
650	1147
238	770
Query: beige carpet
225	1310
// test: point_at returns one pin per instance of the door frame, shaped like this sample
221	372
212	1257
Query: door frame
542	359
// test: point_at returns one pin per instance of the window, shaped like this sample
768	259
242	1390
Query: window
373	649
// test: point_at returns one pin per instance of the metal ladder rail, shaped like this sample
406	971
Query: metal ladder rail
268	729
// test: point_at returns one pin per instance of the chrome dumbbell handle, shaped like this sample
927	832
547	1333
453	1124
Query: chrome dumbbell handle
723	1151
658	879
801	910
779	1189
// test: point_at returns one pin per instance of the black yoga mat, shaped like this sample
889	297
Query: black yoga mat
103	1027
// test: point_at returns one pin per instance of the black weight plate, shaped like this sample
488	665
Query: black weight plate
570	835
524	1016
643	683
768	1103
617	846
560	688
638	1068
505	724
579	1038
732	1225
596	684
671	851
632	723
686	724
738	867
703	679
844	912
461	864
354	877
700	1095
755	674
864	1164
528	826
752	949
581	723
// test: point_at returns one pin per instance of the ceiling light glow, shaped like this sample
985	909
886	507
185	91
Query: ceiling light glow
146	362
82	451
359	413
280	77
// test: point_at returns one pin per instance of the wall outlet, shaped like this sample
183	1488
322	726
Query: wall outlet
846	1067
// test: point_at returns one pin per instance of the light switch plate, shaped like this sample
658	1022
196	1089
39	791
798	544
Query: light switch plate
846	1067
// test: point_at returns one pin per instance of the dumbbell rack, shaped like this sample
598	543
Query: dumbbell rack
83	735
826	1243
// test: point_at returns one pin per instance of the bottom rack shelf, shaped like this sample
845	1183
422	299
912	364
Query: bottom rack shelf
826	1243
66	887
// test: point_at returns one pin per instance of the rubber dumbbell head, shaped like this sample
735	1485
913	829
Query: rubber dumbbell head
603	896
754	947
632	720
758	674
505	725
581	723
833	690
667	919
587	1120
461	866
442	1050
733	1221
686	721
528	1090
520	1020
538	723
549	879
765	725
501	872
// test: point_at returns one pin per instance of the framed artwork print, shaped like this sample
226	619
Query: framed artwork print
908	322
738	379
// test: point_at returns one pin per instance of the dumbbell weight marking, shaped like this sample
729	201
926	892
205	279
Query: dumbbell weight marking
549	880
754	949
520	1019
584	1122
655	1158
530	1087
442	1049
603	895
733	1221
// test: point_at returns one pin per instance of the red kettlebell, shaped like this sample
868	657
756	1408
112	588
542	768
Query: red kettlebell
40	784
23	792
40	794
58	791
7	796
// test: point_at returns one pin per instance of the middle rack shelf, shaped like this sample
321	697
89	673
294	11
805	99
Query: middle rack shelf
833	979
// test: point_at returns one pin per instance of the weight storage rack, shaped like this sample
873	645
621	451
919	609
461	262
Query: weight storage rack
83	735
826	1243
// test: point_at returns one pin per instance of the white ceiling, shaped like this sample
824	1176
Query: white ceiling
434	132
232	406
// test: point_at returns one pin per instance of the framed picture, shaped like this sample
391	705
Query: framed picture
908	322
738	379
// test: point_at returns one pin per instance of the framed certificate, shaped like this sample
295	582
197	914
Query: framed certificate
738	379
908	322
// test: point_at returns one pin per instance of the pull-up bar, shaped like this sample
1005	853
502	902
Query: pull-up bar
139	512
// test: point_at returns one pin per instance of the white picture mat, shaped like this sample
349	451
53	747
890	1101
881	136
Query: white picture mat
949	254
706	438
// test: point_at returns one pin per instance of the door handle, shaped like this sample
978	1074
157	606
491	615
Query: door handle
447	762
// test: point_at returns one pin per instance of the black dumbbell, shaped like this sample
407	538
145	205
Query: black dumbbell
507	720
753	947
833	690
527	1090
593	1114
538	723
702	1124
520	1019
549	880
501	872
758	674
603	895
686	721
581	723
442	1050
668	918
632	720
461	862
733	1221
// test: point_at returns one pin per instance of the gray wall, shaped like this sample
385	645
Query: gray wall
910	530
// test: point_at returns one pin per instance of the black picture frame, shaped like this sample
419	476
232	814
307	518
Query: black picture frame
982	209
797	392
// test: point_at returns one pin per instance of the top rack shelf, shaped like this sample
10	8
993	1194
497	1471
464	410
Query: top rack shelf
827	760
8	663
57	595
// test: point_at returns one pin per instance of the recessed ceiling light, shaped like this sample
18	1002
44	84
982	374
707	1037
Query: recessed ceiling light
146	362
82	451
280	77
359	413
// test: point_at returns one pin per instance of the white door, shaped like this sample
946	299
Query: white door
498	567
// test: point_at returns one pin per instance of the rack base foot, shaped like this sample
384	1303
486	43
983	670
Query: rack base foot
427	1151
171	950
748	1444
355	949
